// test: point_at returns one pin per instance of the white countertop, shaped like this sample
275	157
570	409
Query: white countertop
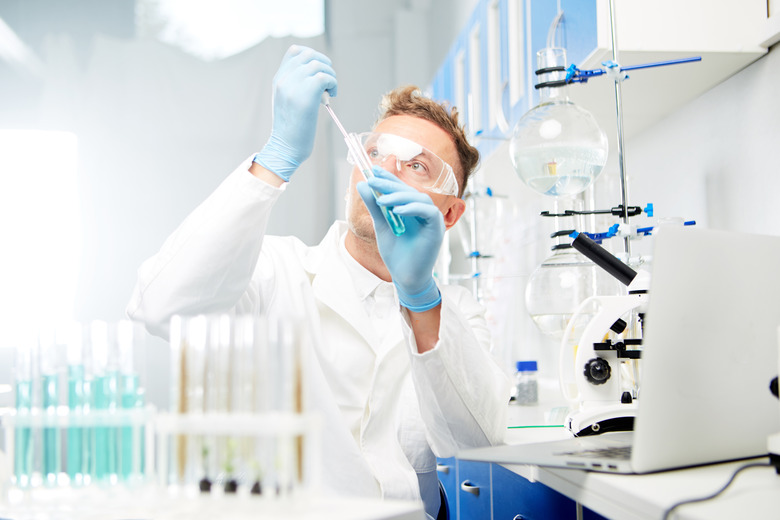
151	503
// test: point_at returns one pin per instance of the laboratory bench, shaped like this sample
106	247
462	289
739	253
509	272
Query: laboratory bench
574	493
149	504
154	502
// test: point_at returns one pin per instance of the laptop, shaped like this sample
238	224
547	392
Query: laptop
709	353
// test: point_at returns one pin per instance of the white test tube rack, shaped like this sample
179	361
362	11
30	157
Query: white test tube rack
298	473
153	481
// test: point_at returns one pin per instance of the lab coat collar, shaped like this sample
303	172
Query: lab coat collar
331	279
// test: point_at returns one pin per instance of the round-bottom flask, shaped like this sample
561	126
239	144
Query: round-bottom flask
557	148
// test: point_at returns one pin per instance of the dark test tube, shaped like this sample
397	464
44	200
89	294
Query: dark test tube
603	258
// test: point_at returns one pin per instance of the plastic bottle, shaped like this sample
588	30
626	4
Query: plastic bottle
526	390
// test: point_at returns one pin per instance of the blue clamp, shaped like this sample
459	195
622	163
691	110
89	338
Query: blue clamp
645	231
649	209
571	71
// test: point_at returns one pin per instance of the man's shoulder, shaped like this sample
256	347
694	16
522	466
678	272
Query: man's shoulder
311	256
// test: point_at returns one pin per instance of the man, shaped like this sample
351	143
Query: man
403	369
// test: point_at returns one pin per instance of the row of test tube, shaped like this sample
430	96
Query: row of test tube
237	421
79	413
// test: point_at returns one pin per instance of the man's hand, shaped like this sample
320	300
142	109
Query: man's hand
410	257
298	86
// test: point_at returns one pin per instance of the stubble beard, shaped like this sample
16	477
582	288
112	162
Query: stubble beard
359	220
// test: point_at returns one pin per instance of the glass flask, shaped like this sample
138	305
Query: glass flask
558	286
557	148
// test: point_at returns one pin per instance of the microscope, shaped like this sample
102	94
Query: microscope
599	376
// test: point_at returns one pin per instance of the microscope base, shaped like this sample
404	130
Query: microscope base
601	419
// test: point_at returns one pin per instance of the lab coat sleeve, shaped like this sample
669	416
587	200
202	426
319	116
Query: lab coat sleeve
462	392
206	265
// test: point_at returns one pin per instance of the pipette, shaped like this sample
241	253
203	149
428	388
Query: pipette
363	163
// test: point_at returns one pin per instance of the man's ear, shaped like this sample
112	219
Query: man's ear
454	210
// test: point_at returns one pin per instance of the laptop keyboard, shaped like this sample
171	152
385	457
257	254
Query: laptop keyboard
615	453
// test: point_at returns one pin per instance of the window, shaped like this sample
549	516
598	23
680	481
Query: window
214	30
40	226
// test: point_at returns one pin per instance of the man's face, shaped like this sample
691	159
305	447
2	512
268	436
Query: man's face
430	136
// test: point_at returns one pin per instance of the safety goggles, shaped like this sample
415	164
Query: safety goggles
413	163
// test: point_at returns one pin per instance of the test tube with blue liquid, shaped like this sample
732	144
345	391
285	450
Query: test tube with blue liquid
76	462
106	400
50	363
131	397
363	163
88	390
23	441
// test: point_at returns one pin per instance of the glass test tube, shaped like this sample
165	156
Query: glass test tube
177	398
262	460
105	401
131	437
222	351
189	336
23	446
75	465
54	343
241	393
216	395
50	396
88	395
283	399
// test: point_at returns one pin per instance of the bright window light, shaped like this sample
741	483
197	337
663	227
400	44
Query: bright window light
40	226
214	30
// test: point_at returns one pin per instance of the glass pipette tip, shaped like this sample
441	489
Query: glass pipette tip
363	163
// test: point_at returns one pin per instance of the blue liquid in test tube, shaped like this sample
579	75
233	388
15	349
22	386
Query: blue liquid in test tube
131	454
88	432
76	466
51	434
23	435
105	448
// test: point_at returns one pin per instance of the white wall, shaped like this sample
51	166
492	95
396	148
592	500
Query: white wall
713	160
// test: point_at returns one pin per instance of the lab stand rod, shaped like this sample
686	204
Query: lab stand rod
619	114
574	74
660	63
474	249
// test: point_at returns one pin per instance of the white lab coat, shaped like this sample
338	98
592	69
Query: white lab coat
415	406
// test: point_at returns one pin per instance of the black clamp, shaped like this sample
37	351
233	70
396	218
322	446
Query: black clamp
620	348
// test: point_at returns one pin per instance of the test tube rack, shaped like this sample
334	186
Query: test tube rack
219	449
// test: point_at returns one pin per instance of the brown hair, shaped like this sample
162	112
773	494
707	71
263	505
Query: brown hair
410	101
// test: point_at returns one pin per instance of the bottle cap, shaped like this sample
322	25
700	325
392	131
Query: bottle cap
526	366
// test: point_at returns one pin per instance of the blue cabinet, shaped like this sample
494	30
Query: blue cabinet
447	471
515	497
474	490
485	491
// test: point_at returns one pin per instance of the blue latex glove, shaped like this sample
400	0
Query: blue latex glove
298	86
410	257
